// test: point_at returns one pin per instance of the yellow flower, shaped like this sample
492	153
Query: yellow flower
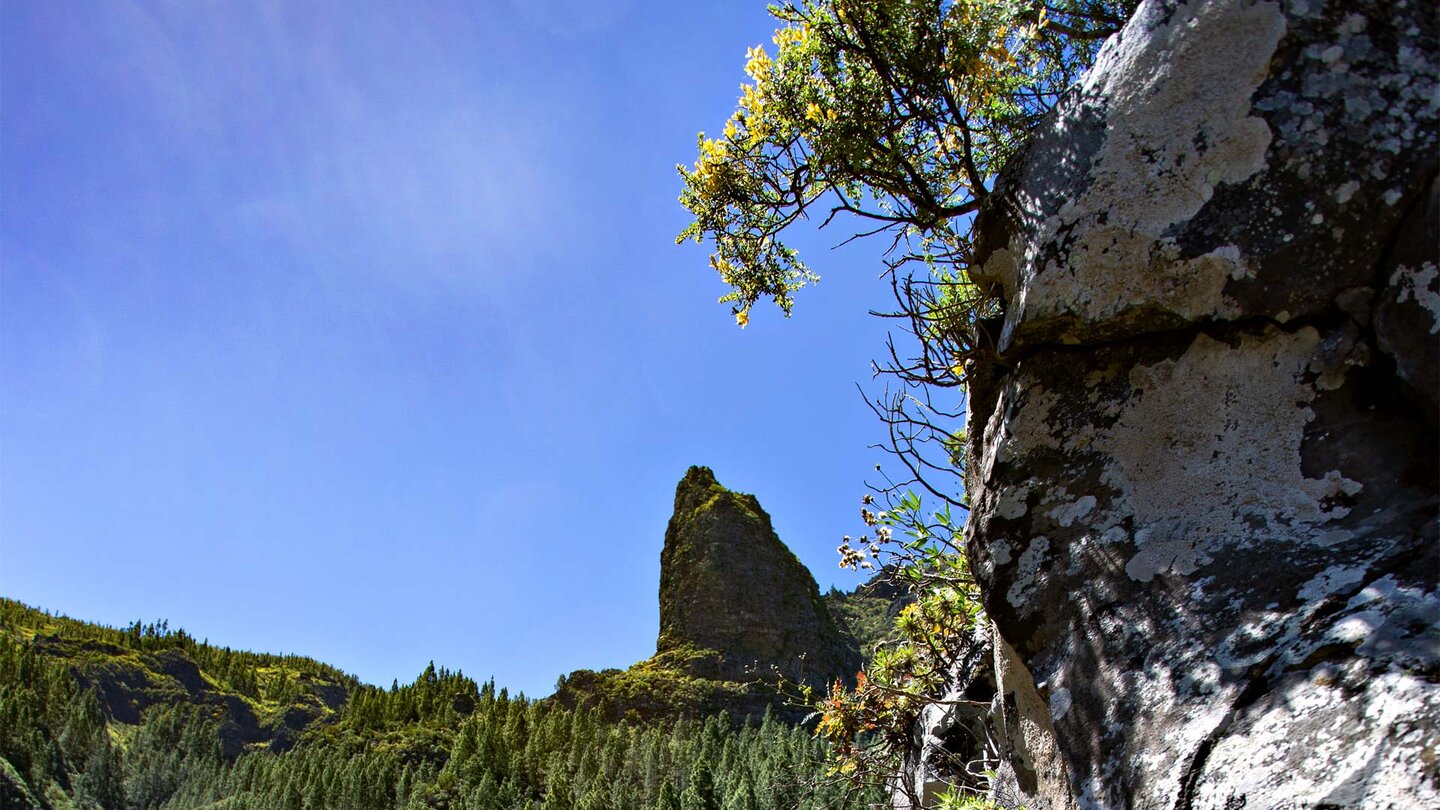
757	62
743	318
787	36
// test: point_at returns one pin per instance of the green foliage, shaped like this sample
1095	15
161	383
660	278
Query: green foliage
899	112
667	800
54	732
265	679
443	742
700	795
656	690
870	726
957	798
869	611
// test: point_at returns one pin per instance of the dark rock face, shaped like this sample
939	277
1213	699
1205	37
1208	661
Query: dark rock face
729	586
1203	457
739	613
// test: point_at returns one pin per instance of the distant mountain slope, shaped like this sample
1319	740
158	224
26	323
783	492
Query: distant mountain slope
148	719
258	700
867	614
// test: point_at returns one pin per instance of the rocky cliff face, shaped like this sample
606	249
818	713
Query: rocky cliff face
738	614
735	603
1203	455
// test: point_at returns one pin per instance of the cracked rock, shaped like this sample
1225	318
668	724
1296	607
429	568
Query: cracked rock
1204	454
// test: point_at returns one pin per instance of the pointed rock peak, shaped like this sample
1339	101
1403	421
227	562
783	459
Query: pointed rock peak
698	476
697	487
738	613
735	603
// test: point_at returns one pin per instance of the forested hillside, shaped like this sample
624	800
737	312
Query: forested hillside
147	717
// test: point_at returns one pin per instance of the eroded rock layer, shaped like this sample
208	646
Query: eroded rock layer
1203	455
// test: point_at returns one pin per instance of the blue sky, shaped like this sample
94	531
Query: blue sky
357	330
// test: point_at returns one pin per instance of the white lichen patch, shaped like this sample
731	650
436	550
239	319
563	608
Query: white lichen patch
1206	453
1177	553
1011	503
1066	514
1178	123
1392	622
1114	535
1356	627
1005	439
1000	552
1332	580
1171	744
1029	567
1314	745
1162	89
1113	268
1420	285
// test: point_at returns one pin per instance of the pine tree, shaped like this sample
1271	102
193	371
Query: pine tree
667	799
742	796
596	798
700	795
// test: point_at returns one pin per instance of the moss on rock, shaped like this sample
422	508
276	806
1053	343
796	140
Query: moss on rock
742	622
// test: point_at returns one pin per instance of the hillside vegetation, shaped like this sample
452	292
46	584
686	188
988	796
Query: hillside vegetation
147	717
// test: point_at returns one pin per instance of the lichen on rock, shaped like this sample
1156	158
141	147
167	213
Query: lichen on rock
1204	451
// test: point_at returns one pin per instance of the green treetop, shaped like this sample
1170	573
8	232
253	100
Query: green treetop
898	112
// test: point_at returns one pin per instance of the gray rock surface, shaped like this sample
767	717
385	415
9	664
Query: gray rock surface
1203	459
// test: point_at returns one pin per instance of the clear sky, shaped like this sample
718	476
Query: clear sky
358	330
